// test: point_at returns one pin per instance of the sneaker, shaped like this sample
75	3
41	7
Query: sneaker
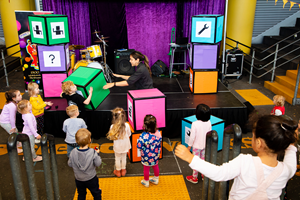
145	183
154	180
202	177
37	141
20	150
192	179
123	172
38	158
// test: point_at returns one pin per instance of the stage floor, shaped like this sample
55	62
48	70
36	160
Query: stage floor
180	103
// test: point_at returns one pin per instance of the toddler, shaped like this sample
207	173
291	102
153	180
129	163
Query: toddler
150	145
38	106
279	108
73	98
198	136
120	132
24	107
84	161
9	111
71	126
261	176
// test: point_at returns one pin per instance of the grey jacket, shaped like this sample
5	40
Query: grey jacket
84	163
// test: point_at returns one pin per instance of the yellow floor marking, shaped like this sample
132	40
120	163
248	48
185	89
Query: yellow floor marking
255	97
130	188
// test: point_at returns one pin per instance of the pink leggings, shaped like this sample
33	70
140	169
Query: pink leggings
147	169
200	153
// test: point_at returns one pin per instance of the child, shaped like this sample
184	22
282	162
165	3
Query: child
256	175
38	106
84	161
71	126
198	136
73	98
120	132
279	108
24	107
150	145
9	111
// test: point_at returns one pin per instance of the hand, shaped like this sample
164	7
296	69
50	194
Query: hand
91	90
38	137
108	85
12	130
49	103
182	152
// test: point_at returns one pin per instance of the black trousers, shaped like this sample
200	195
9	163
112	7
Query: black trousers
92	185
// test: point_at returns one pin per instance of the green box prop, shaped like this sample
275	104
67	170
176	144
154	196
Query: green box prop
49	29
86	77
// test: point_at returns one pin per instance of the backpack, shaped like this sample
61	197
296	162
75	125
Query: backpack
158	68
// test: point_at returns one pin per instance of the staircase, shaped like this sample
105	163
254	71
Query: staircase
11	62
285	76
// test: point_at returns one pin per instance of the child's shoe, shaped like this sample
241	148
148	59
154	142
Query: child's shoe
145	183
154	180
298	166
117	173
123	172
38	158
192	179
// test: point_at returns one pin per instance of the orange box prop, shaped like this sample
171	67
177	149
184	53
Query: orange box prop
203	81
134	154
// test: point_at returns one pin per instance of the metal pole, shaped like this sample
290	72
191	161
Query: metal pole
213	160
223	187
54	166
46	164
4	67
15	166
237	140
296	88
274	63
251	69
207	159
37	5
224	38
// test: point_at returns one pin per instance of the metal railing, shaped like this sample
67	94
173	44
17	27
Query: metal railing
3	60
16	170
273	62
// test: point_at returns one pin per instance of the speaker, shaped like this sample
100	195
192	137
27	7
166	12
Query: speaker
122	64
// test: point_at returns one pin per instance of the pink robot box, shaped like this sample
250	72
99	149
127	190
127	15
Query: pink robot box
143	102
52	84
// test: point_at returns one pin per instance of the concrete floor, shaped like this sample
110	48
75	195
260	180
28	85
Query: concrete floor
170	164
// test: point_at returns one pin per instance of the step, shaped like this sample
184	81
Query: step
281	90
287	31
292	74
287	82
271	40
11	64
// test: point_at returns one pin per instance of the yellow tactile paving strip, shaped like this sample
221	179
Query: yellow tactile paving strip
255	97
130	188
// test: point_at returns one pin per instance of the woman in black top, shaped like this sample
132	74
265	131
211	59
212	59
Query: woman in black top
141	77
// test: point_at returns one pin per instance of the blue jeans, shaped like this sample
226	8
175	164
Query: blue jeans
70	147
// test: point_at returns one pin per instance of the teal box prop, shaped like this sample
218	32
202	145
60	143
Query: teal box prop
49	29
217	124
207	29
86	77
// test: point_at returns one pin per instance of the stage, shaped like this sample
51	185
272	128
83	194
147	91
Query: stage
180	103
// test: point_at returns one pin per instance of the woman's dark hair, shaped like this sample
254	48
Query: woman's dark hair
150	124
9	95
203	112
278	132
142	57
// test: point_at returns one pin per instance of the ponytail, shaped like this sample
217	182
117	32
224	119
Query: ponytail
278	132
142	57
9	95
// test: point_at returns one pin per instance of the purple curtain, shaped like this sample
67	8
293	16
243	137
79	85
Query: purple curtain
149	26
197	7
78	18
109	18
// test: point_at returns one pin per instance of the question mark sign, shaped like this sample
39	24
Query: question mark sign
52	57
